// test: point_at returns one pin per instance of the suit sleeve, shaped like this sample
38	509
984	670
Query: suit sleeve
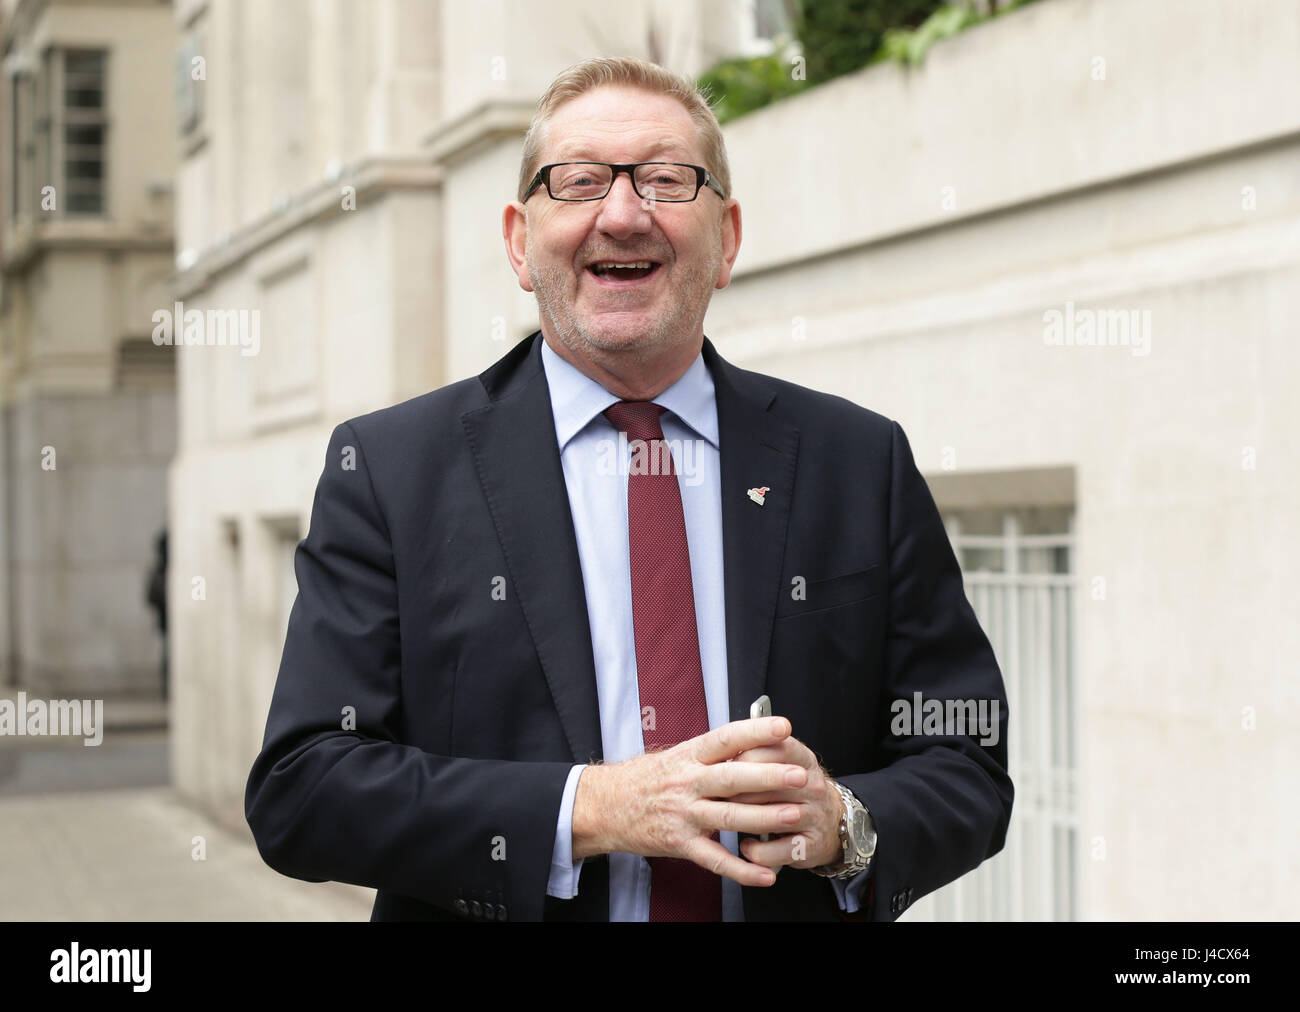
942	802
335	794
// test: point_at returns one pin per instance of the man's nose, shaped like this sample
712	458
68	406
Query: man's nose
622	212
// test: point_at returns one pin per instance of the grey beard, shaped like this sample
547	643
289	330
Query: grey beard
684	313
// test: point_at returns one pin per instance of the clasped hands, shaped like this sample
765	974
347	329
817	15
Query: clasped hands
749	776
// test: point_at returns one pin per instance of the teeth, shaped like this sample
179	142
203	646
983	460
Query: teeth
605	265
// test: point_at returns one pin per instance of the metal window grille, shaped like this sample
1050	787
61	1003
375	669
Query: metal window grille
1022	588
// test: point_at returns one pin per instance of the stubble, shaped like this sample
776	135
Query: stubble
687	302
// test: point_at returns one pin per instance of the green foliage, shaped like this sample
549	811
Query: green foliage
841	36
908	46
837	37
745	84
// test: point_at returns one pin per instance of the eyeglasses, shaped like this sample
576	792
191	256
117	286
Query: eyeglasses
672	182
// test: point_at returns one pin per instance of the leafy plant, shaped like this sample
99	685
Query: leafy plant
841	36
837	37
909	45
747	83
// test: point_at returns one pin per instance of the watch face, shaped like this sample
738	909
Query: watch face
862	838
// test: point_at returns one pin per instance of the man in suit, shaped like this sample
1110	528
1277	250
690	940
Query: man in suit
535	606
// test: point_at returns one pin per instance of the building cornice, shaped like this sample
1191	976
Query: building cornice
369	178
477	128
25	241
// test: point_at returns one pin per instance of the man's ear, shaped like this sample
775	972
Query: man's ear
730	230
514	228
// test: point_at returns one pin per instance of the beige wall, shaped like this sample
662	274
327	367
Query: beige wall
292	87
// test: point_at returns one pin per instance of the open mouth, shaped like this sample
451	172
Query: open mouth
614	272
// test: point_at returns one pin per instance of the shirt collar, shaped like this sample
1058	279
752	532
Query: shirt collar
576	398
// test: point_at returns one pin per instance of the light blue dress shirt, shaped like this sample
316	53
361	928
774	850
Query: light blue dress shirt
595	457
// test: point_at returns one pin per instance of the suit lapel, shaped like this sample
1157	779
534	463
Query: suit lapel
518	465
512	439
757	449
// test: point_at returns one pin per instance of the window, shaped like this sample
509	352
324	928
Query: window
763	24
21	145
1017	563
189	94
67	142
83	130
772	18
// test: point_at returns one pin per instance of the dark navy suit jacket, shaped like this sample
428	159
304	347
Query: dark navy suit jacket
422	727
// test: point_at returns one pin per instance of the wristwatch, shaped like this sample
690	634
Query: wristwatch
857	838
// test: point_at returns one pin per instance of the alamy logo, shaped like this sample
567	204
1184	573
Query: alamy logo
57	717
241	328
658	456
75	965
950	717
1129	328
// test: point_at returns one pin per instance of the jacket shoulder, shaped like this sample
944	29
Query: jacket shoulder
427	419
816	413
419	421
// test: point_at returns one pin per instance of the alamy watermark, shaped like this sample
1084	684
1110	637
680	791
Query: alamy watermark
235	328
75	965
971	717
56	717
659	456
1070	327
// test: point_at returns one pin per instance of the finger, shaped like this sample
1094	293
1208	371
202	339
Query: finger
790	796
813	791
722	780
727	816
724	742
782	752
791	750
785	850
716	858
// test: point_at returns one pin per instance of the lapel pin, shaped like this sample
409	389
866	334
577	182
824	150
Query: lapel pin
759	494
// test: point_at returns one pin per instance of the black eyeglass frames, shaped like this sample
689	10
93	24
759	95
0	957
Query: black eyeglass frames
672	182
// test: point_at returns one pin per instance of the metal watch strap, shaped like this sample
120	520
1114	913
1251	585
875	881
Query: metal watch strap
844	869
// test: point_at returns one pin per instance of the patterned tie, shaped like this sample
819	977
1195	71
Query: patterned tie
669	675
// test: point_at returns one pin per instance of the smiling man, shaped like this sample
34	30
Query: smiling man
622	282
545	666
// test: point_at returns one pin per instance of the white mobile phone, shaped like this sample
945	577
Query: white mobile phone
761	707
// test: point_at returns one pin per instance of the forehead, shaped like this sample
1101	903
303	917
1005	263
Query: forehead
615	123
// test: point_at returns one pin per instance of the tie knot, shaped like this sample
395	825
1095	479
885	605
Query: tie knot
639	419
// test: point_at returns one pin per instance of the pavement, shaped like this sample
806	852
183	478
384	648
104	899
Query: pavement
110	840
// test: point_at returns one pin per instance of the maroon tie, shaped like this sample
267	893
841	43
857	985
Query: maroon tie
669	675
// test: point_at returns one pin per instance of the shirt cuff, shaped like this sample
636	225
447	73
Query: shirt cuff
563	883
849	891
